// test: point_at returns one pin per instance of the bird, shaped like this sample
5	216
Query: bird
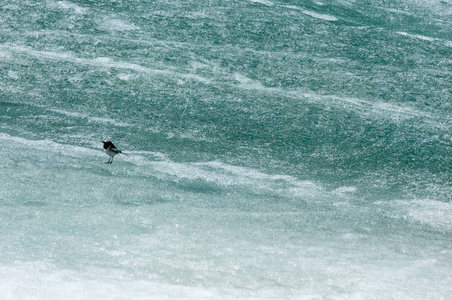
111	150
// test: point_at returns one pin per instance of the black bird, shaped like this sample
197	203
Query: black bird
111	150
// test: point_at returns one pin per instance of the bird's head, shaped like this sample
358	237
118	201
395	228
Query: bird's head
107	144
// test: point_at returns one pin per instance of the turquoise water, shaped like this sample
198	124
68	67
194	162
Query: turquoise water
277	149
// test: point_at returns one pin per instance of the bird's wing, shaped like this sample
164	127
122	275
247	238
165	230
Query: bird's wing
114	149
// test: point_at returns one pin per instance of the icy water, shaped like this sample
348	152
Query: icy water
277	149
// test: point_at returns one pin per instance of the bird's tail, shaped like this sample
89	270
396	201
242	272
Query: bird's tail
124	153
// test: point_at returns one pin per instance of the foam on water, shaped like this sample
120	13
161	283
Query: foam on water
418	36
434	213
264	2
275	150
117	25
67	5
37	280
312	14
93	119
47	145
221	174
104	62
